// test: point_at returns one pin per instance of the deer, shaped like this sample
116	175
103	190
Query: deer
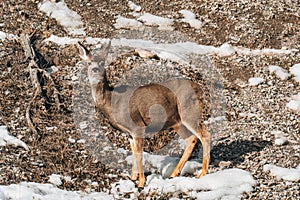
174	105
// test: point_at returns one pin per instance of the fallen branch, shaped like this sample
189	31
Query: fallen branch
36	93
34	69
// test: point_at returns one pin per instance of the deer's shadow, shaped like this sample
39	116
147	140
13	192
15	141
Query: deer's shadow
234	151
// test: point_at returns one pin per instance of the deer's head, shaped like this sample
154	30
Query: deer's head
95	63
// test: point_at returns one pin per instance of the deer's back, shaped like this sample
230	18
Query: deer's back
168	103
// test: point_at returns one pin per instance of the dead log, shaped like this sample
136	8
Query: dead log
34	67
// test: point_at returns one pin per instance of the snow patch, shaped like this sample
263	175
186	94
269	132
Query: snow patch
126	23
166	55
219	184
7	139
96	41
4	36
124	187
153	20
225	184
81	141
71	140
30	190
175	51
281	141
283	173
295	70
280	138
256	81
225	50
294	103
184	48
62	40
69	19
134	7
190	18
255	52
279	72
166	164
55	179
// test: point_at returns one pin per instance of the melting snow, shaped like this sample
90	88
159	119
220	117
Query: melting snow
153	20
294	103
280	72
4	36
81	141
256	81
126	23
134	7
124	187
190	18
267	51
283	173
295	70
280	139
55	179
228	183
32	190
167	51
62	40
66	17
225	183
71	140
7	139
225	50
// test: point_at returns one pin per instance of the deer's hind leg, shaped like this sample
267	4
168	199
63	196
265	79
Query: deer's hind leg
137	144
190	145
191	137
204	137
190	141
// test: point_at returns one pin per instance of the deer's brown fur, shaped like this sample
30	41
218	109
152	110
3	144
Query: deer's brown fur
173	105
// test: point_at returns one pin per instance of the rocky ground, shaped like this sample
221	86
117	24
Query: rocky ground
252	112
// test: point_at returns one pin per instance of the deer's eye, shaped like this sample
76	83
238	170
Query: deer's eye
96	70
101	63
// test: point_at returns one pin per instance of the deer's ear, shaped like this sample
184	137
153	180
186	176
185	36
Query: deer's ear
84	53
105	49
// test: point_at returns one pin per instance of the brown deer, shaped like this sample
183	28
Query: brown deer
173	105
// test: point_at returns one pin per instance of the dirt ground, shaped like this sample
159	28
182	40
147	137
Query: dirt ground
246	141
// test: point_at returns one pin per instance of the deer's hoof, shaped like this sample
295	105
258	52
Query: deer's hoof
141	184
203	173
174	174
134	177
141	181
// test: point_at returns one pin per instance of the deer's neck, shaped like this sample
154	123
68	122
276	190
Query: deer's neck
101	91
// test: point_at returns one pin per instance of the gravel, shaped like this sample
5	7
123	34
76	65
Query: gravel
252	112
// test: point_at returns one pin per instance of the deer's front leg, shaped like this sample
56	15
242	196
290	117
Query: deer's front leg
137	160
134	173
